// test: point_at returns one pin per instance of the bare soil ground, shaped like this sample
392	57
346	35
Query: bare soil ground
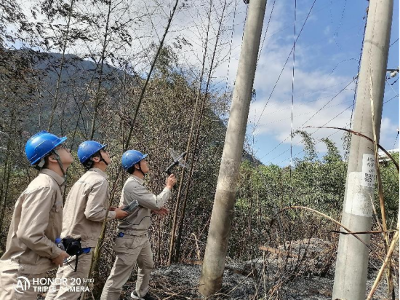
295	271
299	270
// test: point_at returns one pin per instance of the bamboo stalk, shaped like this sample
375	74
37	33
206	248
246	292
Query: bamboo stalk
384	265
380	190
171	254
160	46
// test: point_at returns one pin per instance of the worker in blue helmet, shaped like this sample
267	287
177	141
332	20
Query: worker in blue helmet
85	210
130	158
43	144
132	245
31	250
88	151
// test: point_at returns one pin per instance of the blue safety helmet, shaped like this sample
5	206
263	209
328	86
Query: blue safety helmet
131	157
41	144
87	149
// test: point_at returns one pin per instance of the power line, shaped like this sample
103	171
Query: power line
337	130
343	89
329	101
397	96
283	68
336	34
394	42
303	114
266	30
230	47
395	141
291	111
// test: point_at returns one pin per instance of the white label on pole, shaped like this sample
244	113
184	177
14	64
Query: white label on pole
357	202
368	170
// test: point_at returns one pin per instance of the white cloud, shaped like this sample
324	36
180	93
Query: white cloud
327	30
315	89
318	98
315	84
388	133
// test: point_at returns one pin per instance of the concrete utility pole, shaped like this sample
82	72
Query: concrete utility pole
352	259
222	214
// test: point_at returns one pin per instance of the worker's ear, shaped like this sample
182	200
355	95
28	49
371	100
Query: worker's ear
52	158
96	159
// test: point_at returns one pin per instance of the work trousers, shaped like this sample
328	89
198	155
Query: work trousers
69	285
130	250
16	285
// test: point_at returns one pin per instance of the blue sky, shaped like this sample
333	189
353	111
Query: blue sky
327	60
327	57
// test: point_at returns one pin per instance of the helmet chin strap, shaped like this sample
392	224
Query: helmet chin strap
140	170
102	159
92	161
60	165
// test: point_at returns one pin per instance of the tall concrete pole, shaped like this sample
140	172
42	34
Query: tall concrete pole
352	258
222	214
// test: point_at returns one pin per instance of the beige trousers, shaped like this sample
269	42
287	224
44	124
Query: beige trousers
70	284
16	285
130	250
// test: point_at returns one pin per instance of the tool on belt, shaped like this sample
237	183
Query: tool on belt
72	247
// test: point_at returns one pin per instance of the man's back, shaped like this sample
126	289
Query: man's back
35	225
86	208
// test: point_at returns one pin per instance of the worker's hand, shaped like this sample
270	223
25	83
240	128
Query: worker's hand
112	208
119	213
59	260
171	181
162	211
